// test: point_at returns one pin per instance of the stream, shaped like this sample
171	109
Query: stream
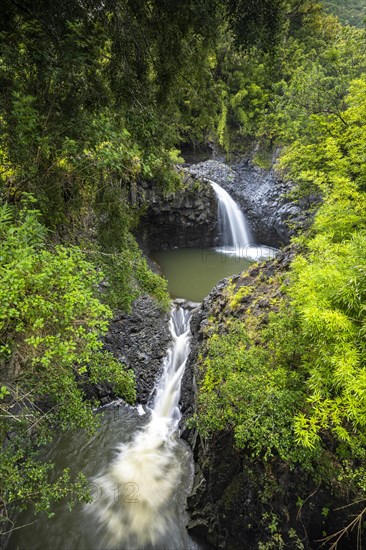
145	473
77	529
140	471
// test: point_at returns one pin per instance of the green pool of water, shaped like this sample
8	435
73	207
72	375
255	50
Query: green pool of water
193	272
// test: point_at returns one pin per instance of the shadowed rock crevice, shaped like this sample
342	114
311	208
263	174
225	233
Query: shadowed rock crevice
186	218
140	340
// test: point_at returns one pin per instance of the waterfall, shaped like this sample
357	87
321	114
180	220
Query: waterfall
233	227
234	232
139	512
168	390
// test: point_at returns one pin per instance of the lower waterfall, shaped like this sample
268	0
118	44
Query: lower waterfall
138	509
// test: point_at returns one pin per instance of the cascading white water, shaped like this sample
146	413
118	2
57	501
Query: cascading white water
147	470
233	226
168	390
235	234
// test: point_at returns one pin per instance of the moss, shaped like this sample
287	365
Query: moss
263	160
237	298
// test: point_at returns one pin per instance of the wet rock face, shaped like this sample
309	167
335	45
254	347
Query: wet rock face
187	392
261	194
237	502
184	219
188	218
140	340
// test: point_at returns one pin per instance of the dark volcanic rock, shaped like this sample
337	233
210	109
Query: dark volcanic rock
262	196
237	502
188	389
184	219
140	339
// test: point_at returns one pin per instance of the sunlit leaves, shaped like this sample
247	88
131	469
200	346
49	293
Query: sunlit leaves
51	323
328	283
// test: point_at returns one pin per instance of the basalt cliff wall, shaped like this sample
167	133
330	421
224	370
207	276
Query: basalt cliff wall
262	195
186	218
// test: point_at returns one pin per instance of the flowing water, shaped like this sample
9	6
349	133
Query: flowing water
235	236
140	470
193	272
140	491
233	227
149	465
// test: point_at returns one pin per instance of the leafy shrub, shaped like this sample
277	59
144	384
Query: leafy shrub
51	323
252	387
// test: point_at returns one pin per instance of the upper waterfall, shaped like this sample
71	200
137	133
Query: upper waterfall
234	229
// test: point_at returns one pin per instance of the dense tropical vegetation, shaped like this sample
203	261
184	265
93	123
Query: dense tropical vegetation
291	383
94	101
353	12
313	348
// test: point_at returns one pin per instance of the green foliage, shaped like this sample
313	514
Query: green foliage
319	81
255	22
50	318
251	387
51	323
239	295
352	13
311	359
4	392
243	86
269	96
94	107
127	275
95	112
276	540
94	101
328	288
26	481
126	271
222	131
152	283
295	385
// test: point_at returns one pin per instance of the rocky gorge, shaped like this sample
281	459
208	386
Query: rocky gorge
234	498
140	339
187	218
262	194
183	289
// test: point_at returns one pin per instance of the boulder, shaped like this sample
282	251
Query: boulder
140	340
